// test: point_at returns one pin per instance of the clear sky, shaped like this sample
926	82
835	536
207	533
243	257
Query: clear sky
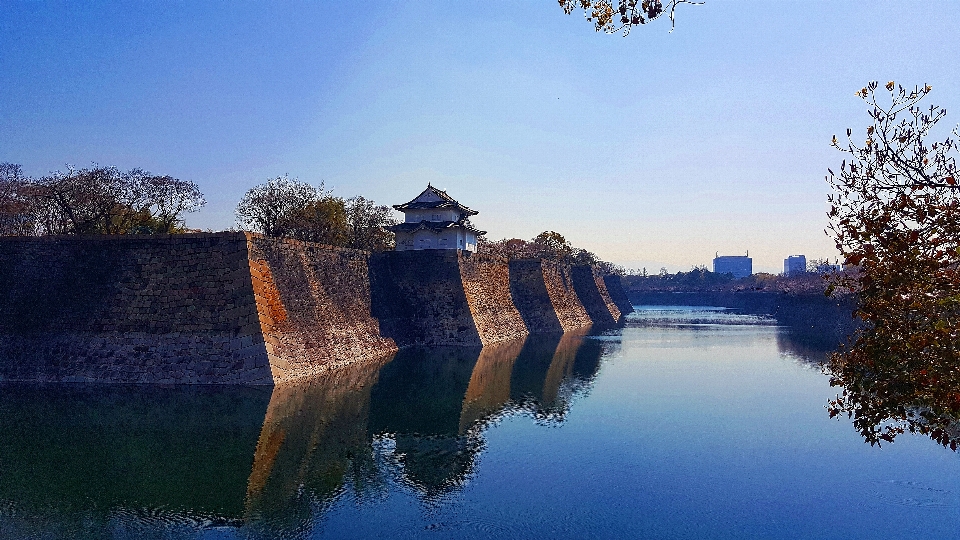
658	149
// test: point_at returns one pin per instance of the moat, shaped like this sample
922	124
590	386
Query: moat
685	423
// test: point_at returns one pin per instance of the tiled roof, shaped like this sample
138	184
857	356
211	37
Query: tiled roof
441	200
435	226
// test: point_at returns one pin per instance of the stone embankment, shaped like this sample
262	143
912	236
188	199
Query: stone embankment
239	308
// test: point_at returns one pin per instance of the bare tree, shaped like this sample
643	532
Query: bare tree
16	212
267	208
98	200
165	199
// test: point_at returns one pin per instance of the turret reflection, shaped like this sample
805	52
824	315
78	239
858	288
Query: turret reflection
419	401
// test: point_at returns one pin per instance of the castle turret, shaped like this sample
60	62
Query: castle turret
434	220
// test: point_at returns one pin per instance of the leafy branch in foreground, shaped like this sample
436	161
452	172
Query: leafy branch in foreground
895	217
626	14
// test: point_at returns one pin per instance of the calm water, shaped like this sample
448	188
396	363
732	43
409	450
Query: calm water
687	423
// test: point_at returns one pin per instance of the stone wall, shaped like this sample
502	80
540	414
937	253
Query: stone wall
486	284
617	294
228	308
314	306
239	308
439	297
592	291
544	295
419	298
157	309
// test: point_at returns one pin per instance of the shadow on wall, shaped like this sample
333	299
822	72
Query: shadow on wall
83	458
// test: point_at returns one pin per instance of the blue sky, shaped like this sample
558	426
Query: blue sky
658	149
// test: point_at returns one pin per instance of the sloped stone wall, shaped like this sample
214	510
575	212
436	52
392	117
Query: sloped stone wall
239	308
544	295
592	291
617	294
486	284
314	306
418	297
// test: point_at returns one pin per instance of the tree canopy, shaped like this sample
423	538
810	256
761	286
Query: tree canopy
546	245
288	207
95	200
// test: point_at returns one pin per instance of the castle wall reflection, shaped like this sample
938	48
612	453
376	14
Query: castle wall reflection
90	461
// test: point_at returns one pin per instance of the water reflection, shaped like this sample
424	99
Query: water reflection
88	461
881	395
886	395
71	457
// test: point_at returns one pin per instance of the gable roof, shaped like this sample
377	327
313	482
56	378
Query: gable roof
434	198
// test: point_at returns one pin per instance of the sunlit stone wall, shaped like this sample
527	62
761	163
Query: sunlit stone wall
314	306
543	293
592	291
486	283
239	308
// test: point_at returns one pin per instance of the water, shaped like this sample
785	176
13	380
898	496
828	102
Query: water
686	423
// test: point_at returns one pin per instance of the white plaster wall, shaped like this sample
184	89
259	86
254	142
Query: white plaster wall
416	216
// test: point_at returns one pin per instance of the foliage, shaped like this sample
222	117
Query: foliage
552	245
367	222
98	200
271	208
627	13
323	220
697	279
547	245
895	215
288	207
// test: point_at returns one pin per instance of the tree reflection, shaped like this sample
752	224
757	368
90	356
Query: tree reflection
886	395
73	456
882	393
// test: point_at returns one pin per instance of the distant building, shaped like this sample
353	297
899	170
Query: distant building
434	220
738	265
794	264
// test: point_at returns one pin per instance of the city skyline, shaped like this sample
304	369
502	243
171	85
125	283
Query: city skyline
657	149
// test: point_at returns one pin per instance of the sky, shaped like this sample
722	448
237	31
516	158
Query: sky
658	149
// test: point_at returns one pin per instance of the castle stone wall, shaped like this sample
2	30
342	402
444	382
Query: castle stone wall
240	308
544	295
314	306
617	294
592	291
158	309
419	298
486	284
